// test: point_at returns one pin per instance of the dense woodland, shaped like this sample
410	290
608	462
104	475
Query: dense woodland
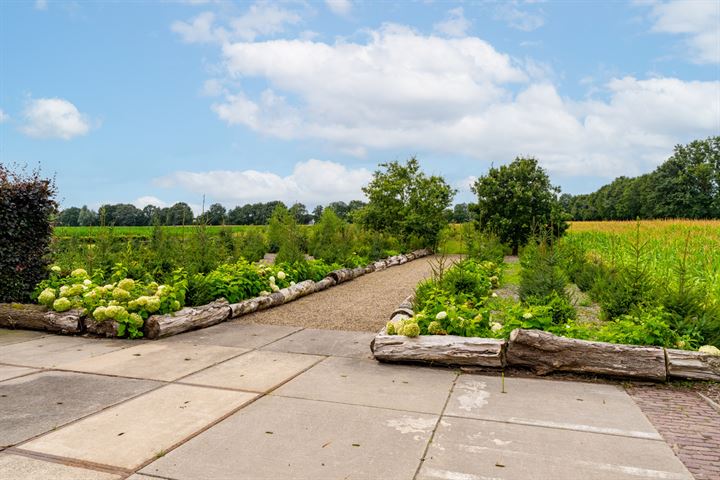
687	185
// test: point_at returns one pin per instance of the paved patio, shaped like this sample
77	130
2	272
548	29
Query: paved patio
247	401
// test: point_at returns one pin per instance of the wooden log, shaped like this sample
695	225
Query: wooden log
342	275
106	328
392	261
403	259
325	283
370	268
250	305
410	256
544	352
693	365
298	290
38	317
406	308
423	252
439	350
380	265
189	318
358	272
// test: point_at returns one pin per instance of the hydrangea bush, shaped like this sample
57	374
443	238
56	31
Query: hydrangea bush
127	301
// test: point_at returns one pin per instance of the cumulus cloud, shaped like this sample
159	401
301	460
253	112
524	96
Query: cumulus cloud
261	19
3	116
339	7
142	202
53	118
311	182
698	22
401	89
455	25
41	5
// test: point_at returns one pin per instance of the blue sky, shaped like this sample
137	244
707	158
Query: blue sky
158	102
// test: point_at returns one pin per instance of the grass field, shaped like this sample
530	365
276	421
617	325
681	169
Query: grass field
665	244
90	232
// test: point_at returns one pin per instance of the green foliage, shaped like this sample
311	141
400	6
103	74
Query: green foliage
330	240
27	204
285	237
127	301
403	201
515	199
253	245
541	276
687	185
482	245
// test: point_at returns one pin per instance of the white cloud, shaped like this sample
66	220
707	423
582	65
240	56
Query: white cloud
404	90
516	17
143	202
697	21
41	5
339	7
311	182
456	25
54	118
261	19
4	117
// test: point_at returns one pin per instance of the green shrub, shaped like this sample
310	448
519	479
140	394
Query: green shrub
483	246
541	275
253	245
331	240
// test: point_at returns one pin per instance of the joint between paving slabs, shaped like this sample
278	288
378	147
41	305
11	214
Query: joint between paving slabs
71	462
437	423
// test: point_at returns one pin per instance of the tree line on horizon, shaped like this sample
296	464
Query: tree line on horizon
687	185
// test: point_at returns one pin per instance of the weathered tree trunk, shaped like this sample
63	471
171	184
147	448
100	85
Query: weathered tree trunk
189	318
342	275
37	317
403	259
410	256
250	305
380	265
298	290
439	349
544	353
325	283
370	268
693	365
106	328
358	272
424	252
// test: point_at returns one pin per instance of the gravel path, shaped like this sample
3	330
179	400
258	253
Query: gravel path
363	304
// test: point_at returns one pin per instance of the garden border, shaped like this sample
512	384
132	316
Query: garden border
543	353
37	317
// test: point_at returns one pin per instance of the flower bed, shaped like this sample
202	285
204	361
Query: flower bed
454	319
125	307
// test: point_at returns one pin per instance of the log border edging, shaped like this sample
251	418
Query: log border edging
544	352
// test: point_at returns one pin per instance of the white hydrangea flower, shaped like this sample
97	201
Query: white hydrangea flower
55	269
272	279
275	288
292	284
494	295
527	315
495	326
281	275
441	315
87	282
709	349
264	293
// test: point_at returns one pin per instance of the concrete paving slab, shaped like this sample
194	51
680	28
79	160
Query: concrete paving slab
38	403
467	449
19	467
133	432
258	371
367	382
234	334
51	351
156	361
7	372
579	406
326	342
283	438
8	336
